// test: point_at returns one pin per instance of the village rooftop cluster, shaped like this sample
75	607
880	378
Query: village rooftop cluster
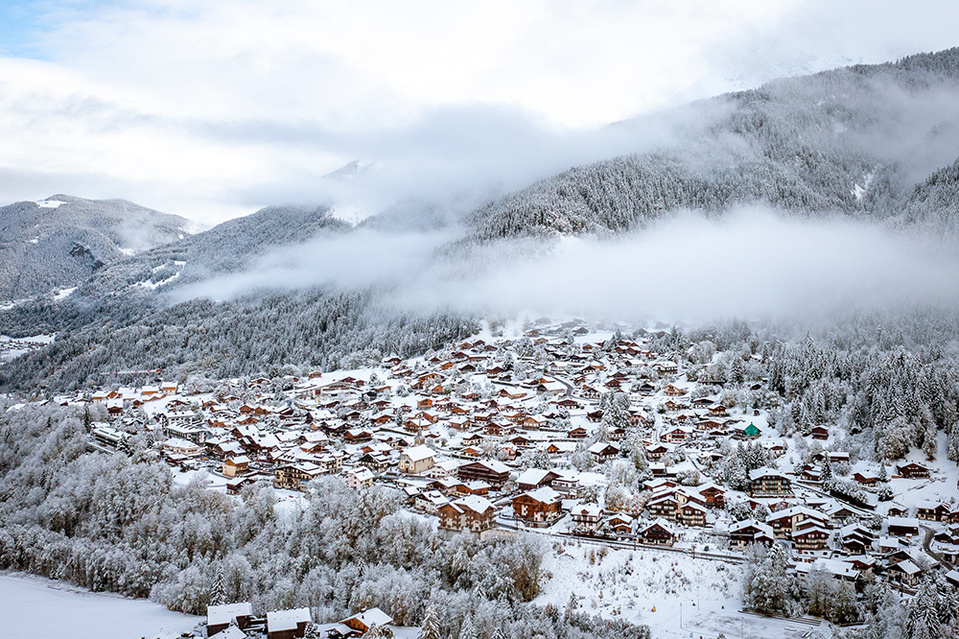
534	432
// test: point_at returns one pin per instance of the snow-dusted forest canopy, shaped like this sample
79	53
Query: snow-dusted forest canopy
63	240
871	143
891	382
858	140
118	523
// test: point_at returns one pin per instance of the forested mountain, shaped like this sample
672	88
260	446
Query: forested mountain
121	318
61	241
227	248
853	140
867	142
935	202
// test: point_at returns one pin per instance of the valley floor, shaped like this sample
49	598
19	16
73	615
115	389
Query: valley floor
32	606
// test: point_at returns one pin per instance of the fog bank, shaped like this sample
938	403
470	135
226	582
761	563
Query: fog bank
752	263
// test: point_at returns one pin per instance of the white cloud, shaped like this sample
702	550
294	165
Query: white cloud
213	109
752	263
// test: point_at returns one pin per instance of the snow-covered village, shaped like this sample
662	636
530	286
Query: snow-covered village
452	320
668	490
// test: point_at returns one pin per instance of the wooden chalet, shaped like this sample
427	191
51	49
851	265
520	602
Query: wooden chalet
906	573
658	532
787	521
902	526
620	524
538	508
236	465
495	473
691	514
366	620
296	476
912	470
602	451
533	478
219	617
473	513
714	496
810	538
287	624
750	532
765	482
586	517
663	506
933	511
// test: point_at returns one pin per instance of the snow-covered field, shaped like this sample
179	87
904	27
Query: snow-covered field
13	347
674	594
42	608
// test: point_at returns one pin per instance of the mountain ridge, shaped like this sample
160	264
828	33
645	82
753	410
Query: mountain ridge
60	241
815	146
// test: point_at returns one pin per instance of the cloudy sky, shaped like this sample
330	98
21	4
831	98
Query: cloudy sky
213	109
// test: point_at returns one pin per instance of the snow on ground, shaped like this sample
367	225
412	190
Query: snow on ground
210	480
35	607
155	285
49	204
659	589
63	293
941	485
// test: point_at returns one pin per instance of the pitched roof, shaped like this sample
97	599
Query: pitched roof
419	453
216	615
287	619
370	617
474	502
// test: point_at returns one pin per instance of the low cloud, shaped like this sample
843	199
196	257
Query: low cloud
752	263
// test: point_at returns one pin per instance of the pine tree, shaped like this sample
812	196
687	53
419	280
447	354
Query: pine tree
218	593
430	628
467	629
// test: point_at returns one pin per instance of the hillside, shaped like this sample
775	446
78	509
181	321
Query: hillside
226	248
122	317
865	142
855	140
61	241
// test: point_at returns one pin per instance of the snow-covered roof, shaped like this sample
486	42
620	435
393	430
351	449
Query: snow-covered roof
475	503
532	476
279	620
599	447
370	617
362	473
230	632
662	523
794	511
544	494
765	472
419	453
907	567
759	526
224	613
493	464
